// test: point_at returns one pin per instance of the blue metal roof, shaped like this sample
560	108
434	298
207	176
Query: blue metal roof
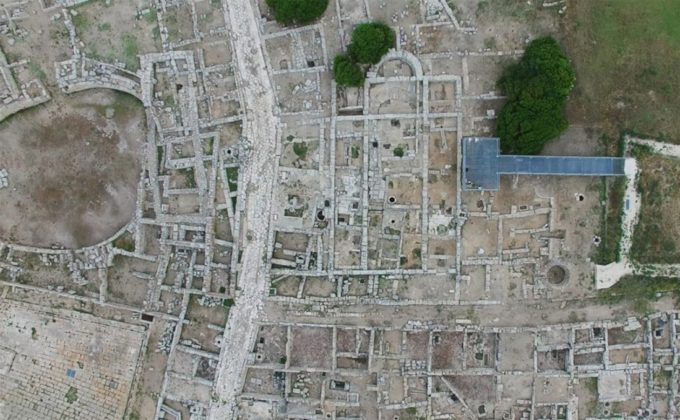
483	164
480	163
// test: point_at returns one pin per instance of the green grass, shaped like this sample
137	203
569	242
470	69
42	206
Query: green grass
37	71
130	51
152	16
612	192
640	291
662	378
81	22
126	104
640	151
156	32
591	385
656	238
210	146
189	177
125	242
625	53
232	178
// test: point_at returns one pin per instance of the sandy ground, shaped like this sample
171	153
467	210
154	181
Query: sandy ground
260	128
72	171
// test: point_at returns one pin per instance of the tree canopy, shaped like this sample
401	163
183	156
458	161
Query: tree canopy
536	88
370	42
347	72
297	12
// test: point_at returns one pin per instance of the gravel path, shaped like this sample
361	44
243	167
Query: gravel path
260	128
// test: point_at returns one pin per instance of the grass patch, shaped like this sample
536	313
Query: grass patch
656	236
37	71
662	378
640	151
625	53
156	33
640	291
81	22
125	242
152	16
232	178
612	192
591	385
300	150
130	51
189	177
210	146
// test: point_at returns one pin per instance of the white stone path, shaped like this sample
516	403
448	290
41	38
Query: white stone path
260	129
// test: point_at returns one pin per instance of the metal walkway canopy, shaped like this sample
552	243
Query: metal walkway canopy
483	164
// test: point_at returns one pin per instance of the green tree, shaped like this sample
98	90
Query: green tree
347	72
370	42
537	88
297	12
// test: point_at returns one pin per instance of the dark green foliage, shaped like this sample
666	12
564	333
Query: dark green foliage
370	42
537	88
347	72
300	150
398	151
297	12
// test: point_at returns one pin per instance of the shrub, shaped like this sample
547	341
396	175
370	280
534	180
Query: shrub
370	42
300	150
537	88
347	72
297	12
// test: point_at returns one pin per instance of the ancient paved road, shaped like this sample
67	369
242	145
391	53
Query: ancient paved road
260	130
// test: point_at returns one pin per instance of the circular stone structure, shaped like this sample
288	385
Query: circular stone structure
557	275
72	166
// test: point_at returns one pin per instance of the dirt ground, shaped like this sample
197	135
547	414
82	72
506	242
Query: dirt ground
72	171
117	31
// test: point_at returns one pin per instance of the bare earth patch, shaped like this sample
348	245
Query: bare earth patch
72	171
